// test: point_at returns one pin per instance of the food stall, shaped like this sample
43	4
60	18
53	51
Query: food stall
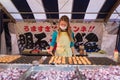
26	28
22	67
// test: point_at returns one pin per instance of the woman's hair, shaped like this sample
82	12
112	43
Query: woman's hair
68	30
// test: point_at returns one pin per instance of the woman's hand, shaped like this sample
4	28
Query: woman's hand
50	52
73	51
73	54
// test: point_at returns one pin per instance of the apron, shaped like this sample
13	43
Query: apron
63	46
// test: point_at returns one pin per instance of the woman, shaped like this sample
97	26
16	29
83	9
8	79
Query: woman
64	39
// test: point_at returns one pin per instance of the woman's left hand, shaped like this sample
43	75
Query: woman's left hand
74	54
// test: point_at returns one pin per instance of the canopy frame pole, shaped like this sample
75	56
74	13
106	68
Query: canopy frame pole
112	10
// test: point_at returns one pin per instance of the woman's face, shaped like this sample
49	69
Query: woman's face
63	25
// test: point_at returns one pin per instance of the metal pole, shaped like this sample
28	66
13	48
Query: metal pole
1	26
59	13
118	39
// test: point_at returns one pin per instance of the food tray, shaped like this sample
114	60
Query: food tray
30	52
36	54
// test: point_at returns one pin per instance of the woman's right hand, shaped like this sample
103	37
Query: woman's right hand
50	52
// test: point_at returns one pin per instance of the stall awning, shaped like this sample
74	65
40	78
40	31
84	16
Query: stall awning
53	9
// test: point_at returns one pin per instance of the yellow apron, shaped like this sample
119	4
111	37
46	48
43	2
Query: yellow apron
63	46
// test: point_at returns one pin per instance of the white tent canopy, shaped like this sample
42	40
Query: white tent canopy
85	10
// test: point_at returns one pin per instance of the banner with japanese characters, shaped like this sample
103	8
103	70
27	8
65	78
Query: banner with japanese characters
38	35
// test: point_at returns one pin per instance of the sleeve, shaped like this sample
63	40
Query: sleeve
54	36
72	43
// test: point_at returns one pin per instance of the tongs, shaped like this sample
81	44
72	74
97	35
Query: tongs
78	74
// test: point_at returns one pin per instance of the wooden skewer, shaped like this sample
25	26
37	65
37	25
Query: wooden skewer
79	61
59	60
70	60
74	60
63	60
51	60
86	59
82	60
55	59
